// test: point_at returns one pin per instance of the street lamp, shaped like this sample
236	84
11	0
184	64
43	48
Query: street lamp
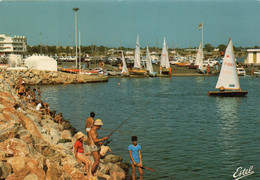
41	42
76	10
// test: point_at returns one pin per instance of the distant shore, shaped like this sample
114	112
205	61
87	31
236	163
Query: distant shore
176	71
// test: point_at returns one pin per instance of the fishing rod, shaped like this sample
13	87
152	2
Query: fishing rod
122	132
107	141
144	167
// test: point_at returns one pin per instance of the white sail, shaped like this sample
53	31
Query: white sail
149	66
228	77
124	68
164	56
137	61
199	60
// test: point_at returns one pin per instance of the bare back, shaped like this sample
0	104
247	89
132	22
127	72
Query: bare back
89	122
92	135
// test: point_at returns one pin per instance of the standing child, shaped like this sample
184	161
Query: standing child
136	157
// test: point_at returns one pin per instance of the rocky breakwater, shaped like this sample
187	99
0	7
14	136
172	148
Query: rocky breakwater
33	146
49	77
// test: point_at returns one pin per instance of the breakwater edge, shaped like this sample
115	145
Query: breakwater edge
33	146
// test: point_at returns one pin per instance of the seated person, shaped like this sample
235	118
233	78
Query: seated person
40	108
53	113
33	102
47	108
58	118
80	154
103	151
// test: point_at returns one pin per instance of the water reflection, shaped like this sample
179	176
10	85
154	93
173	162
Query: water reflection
227	109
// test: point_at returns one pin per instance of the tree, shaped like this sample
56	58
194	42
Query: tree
222	47
208	47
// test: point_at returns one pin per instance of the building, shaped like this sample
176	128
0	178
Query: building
12	45
41	63
252	56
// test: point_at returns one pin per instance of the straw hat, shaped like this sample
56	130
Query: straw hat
79	135
98	122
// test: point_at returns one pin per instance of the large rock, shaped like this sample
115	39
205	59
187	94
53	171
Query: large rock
103	168
55	75
111	158
5	170
36	72
29	124
23	166
73	172
26	137
9	132
17	148
53	172
55	136
66	134
31	177
117	173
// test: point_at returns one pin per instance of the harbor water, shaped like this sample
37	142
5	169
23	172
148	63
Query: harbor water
184	134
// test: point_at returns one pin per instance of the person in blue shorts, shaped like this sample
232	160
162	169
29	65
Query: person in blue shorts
136	157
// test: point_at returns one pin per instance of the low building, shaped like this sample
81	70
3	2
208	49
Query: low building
12	45
41	63
252	56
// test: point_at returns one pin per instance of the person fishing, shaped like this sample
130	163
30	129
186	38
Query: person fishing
136	157
94	144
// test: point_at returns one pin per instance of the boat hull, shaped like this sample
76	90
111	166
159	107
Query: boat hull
138	72
228	93
165	71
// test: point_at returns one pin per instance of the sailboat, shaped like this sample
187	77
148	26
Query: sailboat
228	81
124	68
149	65
199	60
137	61
165	64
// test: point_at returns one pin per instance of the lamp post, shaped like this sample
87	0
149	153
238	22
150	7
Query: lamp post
41	42
76	10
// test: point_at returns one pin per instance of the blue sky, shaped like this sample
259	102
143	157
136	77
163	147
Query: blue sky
117	22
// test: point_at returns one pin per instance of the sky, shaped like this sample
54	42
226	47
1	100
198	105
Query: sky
117	23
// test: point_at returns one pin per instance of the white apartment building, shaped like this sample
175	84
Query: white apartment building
15	45
252	56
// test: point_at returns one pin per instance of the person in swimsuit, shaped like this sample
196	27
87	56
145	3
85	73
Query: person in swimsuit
79	153
21	90
89	122
94	144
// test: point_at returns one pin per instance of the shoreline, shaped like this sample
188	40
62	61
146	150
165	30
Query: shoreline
33	146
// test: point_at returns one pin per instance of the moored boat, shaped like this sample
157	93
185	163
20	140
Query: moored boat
124	71
149	65
137	69
165	64
228	81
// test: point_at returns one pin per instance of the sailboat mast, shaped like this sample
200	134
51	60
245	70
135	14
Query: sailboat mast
202	38
235	64
79	52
